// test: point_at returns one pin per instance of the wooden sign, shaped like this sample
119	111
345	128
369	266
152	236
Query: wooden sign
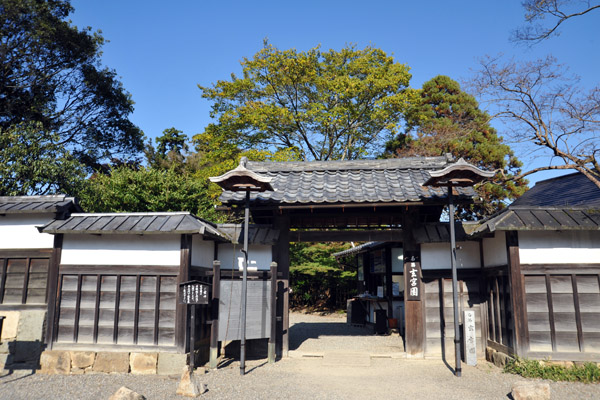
193	292
412	266
470	337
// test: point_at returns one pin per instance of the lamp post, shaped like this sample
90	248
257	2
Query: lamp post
459	174
242	179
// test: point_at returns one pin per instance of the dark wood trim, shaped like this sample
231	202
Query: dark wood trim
214	314
77	309
560	269
280	253
500	347
118	269
117	305
517	294
3	278
483	305
390	235
181	323
156	310
273	304
550	312
563	356
136	309
501	270
52	291
26	280
28	253
388	281
499	335
113	347
491	310
577	313
97	307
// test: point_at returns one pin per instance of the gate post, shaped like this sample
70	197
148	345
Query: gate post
214	316
413	310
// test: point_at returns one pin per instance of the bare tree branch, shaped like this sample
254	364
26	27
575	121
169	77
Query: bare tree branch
557	12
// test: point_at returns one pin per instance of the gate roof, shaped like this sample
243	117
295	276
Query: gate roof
316	183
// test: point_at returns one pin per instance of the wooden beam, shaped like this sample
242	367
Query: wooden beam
414	309
281	255
390	235
181	309
214	315
52	294
517	294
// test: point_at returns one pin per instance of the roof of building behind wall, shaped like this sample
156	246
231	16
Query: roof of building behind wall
134	223
38	204
397	180
569	202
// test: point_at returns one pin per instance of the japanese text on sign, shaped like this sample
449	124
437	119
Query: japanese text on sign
413	276
193	292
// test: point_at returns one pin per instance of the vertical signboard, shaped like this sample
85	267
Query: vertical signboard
412	262
469	335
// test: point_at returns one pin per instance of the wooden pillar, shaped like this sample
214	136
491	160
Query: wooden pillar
388	282
517	295
181	322
214	315
281	255
273	316
413	309
52	294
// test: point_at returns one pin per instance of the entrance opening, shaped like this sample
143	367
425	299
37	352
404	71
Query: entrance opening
346	297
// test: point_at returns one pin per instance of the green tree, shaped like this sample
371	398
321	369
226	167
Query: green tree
147	189
171	150
327	105
445	119
31	162
50	73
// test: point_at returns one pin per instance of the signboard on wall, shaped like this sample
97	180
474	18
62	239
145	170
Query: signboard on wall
412	263
378	262
193	292
258	310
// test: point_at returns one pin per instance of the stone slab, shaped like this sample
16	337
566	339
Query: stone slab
31	326
346	359
143	363
82	359
55	362
109	362
171	363
531	391
124	393
10	324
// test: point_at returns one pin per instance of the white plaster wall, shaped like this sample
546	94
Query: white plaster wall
559	247
203	252
121	250
259	256
18	231
494	250
437	255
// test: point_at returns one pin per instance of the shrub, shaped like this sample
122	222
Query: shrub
587	372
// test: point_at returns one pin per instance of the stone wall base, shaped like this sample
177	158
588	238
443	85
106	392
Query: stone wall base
498	358
89	362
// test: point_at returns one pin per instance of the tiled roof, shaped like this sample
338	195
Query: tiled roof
569	202
573	190
37	204
530	219
361	181
134	223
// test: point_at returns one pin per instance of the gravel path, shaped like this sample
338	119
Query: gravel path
298	379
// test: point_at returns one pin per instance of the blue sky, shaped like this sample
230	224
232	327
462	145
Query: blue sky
163	50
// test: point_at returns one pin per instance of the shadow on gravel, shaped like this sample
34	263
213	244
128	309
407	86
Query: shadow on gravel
302	331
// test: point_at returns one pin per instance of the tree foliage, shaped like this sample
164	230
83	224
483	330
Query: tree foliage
326	105
544	106
446	119
127	189
50	73
556	12
31	162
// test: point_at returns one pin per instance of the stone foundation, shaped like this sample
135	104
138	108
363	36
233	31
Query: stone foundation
89	362
498	358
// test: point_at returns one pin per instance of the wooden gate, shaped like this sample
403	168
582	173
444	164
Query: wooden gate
439	314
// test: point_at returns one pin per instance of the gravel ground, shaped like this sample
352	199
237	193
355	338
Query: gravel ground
301	378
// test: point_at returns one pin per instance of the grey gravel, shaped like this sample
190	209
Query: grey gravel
299	378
